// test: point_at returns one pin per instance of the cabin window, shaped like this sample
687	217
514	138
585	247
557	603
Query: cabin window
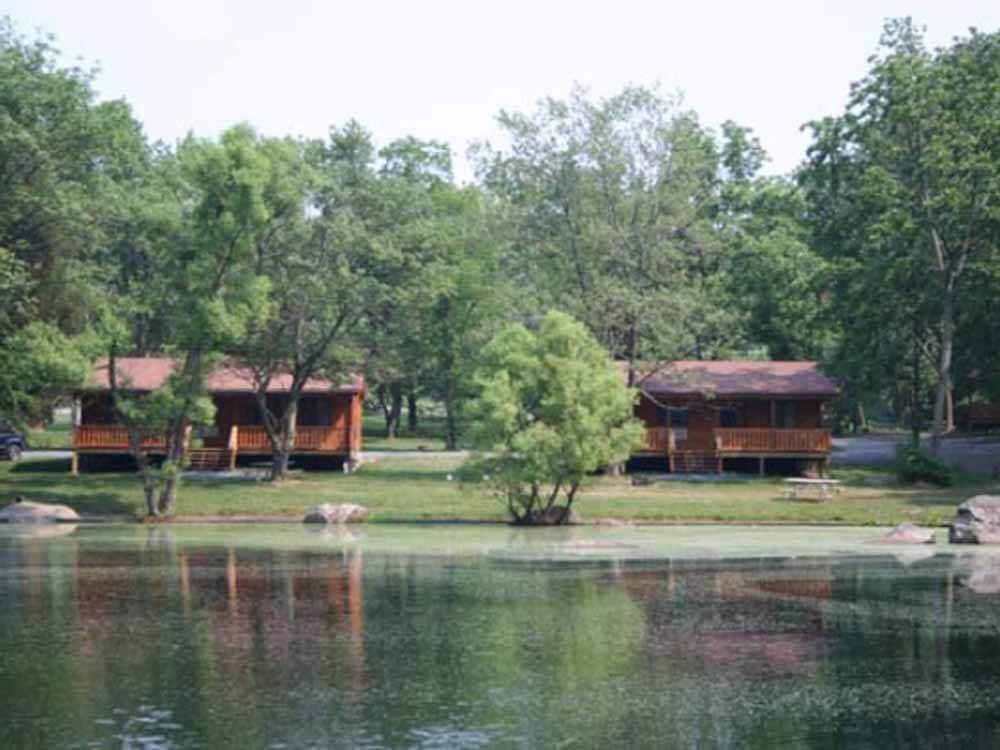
784	414
729	416
677	416
315	412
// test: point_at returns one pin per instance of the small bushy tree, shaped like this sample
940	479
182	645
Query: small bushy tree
551	410
38	364
914	465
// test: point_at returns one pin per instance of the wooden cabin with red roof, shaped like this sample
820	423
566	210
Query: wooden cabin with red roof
328	425
750	415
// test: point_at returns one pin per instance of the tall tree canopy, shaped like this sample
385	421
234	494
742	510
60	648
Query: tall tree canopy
905	196
613	206
64	159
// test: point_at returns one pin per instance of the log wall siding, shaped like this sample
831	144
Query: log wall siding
808	413
357	421
755	414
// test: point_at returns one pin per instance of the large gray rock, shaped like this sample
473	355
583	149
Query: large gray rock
977	521
909	533
25	511
336	513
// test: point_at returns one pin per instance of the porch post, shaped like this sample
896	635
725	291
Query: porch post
233	446
760	467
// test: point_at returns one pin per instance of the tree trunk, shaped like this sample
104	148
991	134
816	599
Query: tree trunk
279	465
861	420
411	412
450	423
168	495
393	410
630	354
145	473
179	432
944	370
916	416
173	465
284	444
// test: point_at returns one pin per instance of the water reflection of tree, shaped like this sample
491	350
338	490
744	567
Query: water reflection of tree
826	651
243	647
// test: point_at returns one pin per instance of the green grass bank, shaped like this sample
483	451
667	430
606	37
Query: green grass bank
419	489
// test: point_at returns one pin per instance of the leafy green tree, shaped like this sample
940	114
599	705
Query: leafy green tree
774	277
38	365
464	295
612	213
61	154
214	201
16	291
905	185
63	159
552	409
324	271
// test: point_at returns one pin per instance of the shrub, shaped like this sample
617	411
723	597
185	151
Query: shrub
913	464
552	409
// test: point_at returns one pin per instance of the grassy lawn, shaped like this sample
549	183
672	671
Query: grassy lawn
56	436
428	436
397	489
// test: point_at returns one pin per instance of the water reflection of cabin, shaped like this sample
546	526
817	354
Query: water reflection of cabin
758	416
328	427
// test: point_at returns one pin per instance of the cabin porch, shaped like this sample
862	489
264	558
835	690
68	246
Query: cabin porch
215	452
749	434
710	449
328	425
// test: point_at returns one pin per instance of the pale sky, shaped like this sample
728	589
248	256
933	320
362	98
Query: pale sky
444	69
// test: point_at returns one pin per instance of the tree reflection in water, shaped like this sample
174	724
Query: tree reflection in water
165	635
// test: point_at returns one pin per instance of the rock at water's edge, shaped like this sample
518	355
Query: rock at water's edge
982	573
25	511
909	533
336	513
977	521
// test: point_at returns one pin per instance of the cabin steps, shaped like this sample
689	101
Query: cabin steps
694	462
209	459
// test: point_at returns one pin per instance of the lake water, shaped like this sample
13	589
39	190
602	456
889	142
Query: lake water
465	636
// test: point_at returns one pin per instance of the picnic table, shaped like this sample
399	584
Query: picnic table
821	489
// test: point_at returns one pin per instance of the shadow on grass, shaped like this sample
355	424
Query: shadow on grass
786	500
44	466
50	482
371	471
385	446
96	503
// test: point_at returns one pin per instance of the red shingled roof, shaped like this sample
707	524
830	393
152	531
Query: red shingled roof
149	373
736	378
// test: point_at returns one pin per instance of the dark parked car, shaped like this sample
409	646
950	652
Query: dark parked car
12	442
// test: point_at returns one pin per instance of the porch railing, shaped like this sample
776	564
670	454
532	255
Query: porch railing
319	438
767	440
110	436
744	440
241	438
